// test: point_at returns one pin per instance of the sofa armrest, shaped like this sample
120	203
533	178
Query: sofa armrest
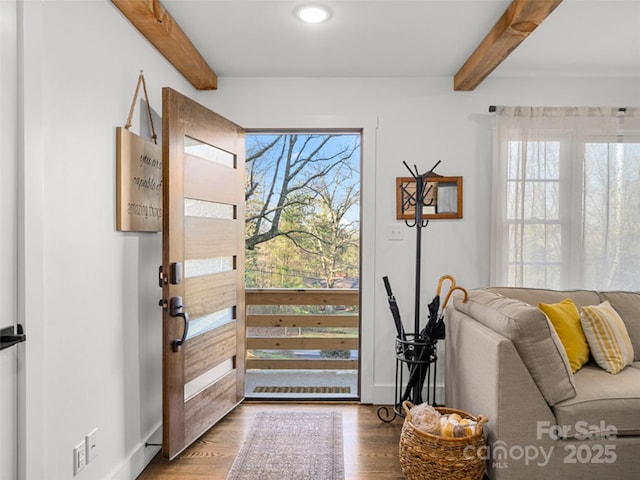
485	375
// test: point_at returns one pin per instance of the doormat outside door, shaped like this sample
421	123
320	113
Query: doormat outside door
290	389
292	446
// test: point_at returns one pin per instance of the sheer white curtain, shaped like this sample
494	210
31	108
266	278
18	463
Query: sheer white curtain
566	198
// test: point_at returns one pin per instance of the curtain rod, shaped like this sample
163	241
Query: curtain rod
492	108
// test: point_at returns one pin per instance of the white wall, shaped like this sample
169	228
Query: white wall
95	357
419	121
93	323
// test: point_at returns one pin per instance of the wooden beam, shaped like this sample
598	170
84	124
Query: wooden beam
157	25
519	19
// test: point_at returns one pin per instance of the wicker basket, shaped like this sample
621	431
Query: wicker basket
431	457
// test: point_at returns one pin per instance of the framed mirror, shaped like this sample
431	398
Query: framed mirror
443	198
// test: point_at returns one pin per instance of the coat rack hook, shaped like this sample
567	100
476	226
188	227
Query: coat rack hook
434	167
425	193
409	168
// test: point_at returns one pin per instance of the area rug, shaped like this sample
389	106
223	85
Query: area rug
292	446
290	389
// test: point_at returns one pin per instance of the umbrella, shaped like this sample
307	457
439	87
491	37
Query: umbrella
395	312
425	342
432	327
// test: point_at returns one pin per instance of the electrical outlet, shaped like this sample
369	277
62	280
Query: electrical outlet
396	232
79	458
91	441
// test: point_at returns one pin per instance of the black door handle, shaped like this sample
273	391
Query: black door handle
9	337
176	309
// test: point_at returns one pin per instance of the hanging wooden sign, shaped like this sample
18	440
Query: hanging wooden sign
139	183
138	176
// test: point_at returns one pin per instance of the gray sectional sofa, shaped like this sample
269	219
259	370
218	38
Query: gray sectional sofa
503	359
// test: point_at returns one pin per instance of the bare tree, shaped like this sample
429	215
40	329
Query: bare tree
279	172
327	233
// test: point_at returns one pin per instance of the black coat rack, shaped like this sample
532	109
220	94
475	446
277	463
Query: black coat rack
417	200
416	350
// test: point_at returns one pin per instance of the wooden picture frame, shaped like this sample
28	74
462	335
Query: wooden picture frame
443	198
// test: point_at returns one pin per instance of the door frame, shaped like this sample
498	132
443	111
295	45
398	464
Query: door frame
30	236
370	283
12	357
347	131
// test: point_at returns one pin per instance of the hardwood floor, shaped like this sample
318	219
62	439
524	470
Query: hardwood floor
370	445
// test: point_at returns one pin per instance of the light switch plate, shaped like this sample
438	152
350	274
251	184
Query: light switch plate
91	441
396	232
79	458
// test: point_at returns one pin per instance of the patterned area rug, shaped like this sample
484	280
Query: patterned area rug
289	389
292	446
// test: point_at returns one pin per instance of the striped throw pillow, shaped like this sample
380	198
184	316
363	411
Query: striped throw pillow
607	336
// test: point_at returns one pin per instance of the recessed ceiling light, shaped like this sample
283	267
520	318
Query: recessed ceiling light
313	13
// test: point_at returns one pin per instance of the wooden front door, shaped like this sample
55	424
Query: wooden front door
202	269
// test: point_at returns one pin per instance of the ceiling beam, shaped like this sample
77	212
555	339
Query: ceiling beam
519	19
157	25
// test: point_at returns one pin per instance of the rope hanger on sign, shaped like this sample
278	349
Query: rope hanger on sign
133	106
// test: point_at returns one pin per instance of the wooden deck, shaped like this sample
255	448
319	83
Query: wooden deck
370	445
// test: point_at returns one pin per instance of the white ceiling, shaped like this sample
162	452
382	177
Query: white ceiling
397	38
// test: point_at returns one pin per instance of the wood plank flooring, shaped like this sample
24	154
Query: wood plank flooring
370	445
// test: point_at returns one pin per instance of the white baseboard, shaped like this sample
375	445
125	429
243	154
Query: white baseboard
139	458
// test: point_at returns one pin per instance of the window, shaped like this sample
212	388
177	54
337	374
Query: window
567	198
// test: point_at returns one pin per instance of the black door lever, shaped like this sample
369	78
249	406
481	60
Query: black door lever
9	337
176	309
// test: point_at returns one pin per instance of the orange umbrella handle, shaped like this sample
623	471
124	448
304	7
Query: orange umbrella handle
462	289
441	281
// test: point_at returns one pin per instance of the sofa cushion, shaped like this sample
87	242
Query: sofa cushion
627	304
602	402
533	336
565	319
607	335
533	296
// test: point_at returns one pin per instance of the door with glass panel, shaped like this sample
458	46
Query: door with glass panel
202	269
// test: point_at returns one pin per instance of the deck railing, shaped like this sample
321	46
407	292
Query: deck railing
339	309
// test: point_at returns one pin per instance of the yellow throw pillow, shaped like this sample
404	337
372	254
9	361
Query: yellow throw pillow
565	318
607	336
